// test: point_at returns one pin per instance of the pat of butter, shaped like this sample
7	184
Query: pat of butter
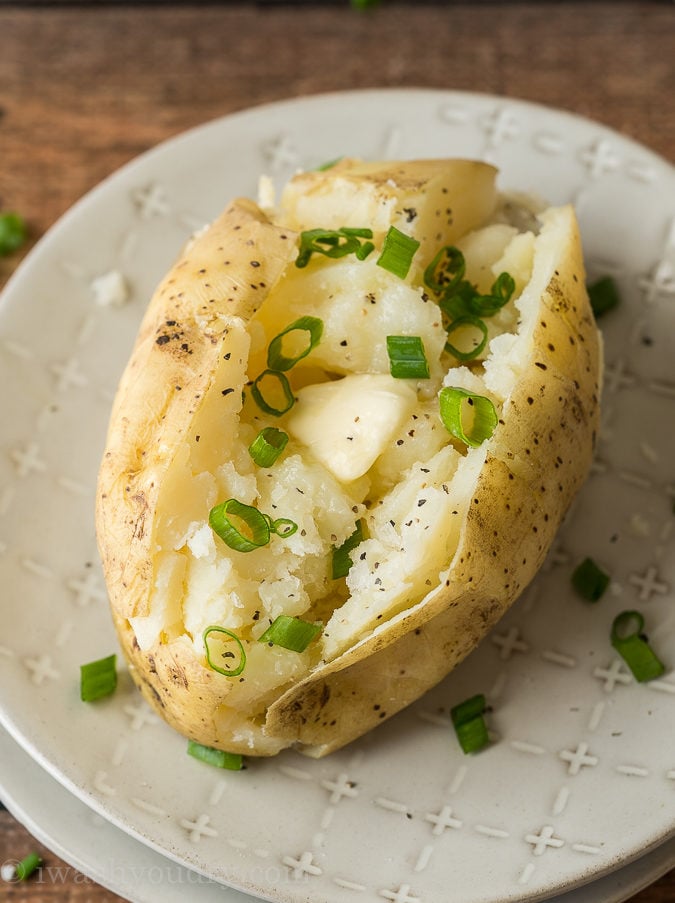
347	424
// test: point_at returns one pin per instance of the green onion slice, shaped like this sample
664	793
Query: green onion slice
589	580
291	633
224	651
459	302
333	243
500	294
398	251
470	727
407	359
267	446
329	164
27	866
446	270
241	527
278	391
13	232
342	561
282	526
629	641
470	418
277	360
217	757
467	324
603	295
98	678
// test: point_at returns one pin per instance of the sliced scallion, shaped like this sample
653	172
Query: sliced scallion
629	641
217	757
267	446
398	251
466	326
28	866
500	294
13	232
459	302
224	651
98	678
445	271
407	359
241	527
589	580
470	418
277	360
278	396
282	526
469	723
333	243
342	561
291	633
603	295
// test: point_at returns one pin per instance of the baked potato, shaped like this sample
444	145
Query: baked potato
350	427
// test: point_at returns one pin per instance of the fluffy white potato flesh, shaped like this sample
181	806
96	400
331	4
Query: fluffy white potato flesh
364	447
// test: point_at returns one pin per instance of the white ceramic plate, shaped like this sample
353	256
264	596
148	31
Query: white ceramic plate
581	776
93	846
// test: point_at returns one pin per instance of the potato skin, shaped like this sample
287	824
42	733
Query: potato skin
550	419
526	478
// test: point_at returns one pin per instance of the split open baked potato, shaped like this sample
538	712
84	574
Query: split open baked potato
406	512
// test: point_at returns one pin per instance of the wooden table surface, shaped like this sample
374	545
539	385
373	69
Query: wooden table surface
85	88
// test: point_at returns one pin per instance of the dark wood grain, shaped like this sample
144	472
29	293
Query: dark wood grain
85	88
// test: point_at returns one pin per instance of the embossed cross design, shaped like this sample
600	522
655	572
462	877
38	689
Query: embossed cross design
199	828
615	674
151	201
402	895
69	375
304	865
578	758
87	589
545	839
140	716
27	460
600	158
442	820
648	584
41	669
500	126
509	643
342	786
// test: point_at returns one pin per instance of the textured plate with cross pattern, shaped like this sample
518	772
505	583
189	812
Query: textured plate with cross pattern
580	776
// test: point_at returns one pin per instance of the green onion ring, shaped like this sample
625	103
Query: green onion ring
228	672
467	320
485	421
283	527
285	388
628	640
267	446
452	272
257	523
276	360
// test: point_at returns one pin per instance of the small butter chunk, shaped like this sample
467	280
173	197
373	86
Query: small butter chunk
347	424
